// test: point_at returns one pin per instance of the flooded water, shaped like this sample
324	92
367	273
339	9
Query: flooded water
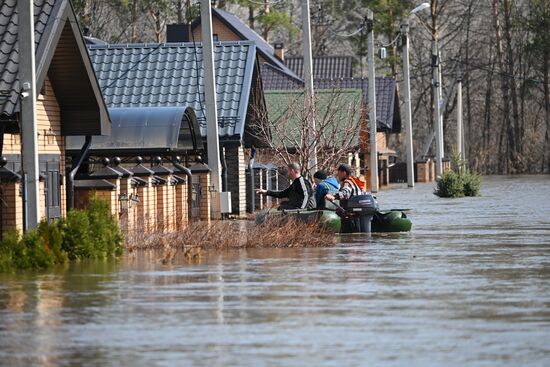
470	286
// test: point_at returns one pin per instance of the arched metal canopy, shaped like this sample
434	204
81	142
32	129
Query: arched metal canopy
143	130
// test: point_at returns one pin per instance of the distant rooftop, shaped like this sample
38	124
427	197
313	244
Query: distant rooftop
324	67
388	116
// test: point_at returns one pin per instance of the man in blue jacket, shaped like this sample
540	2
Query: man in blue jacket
324	185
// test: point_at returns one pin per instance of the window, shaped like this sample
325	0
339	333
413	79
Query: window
215	37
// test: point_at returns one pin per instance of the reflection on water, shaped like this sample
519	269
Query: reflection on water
469	286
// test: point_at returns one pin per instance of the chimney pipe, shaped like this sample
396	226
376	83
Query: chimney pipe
279	50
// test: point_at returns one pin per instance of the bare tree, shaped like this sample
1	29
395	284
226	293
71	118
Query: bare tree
340	127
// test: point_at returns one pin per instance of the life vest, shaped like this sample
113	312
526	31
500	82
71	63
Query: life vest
357	182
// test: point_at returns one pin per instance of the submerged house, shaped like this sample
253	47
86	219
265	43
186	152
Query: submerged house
69	103
149	76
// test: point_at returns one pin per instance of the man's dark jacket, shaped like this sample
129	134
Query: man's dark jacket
299	194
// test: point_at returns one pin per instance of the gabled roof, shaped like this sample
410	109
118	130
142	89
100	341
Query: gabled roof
171	75
387	108
274	78
61	55
324	67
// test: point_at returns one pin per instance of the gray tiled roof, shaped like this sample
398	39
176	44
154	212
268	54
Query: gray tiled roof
324	67
9	46
155	75
387	107
274	78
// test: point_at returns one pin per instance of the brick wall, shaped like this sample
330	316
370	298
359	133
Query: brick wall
223	32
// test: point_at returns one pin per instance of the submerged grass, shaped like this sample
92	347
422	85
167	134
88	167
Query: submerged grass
220	235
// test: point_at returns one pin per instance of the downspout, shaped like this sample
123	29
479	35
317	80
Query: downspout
224	169
74	170
2	129
251	178
187	172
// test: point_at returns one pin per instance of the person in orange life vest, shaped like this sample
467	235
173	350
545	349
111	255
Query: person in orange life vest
351	186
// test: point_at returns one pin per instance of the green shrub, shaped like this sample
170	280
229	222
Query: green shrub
8	246
35	253
37	249
90	234
52	235
77	242
472	183
450	185
104	230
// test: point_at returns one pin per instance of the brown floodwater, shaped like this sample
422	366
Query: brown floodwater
470	286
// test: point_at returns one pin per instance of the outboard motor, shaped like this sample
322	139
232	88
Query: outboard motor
360	210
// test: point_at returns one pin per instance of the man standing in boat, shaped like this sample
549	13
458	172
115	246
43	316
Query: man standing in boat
351	186
299	193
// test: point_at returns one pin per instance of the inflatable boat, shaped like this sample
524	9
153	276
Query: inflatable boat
360	214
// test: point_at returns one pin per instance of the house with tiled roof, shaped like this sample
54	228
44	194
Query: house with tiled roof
171	75
229	27
68	102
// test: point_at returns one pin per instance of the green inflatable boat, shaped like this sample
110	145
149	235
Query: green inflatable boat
357	215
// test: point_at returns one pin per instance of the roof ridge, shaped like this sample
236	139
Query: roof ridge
167	44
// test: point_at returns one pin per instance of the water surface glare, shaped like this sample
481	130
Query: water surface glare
470	286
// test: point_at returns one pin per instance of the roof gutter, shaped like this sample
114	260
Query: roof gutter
70	177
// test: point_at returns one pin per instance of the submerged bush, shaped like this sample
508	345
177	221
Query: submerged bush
472	183
77	242
89	234
104	230
458	184
450	185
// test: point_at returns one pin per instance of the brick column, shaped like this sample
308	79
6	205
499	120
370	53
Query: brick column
147	197
11	205
205	212
202	171
236	178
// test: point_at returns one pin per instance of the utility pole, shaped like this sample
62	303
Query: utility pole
441	106
459	126
211	110
27	119
372	102
308	80
408	110
437	108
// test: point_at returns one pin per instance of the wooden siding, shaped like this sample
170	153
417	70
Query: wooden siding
50	141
